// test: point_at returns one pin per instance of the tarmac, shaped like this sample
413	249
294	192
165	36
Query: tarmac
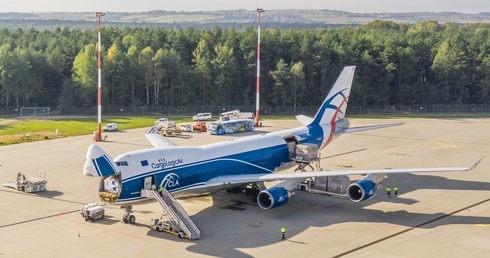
435	215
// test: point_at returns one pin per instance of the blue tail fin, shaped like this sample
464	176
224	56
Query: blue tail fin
335	104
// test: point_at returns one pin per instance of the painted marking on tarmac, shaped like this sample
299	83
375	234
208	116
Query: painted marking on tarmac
482	225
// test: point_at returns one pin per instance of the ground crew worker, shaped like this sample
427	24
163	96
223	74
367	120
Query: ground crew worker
283	231
388	192
153	187
395	189
160	189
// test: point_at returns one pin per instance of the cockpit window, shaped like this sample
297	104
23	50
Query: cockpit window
122	163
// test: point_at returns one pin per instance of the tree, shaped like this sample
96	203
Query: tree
147	64
202	61
282	88
298	82
116	68
224	71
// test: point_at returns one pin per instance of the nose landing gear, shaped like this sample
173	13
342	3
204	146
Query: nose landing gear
128	217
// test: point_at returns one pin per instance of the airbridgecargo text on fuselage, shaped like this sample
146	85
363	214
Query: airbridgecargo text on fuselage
162	163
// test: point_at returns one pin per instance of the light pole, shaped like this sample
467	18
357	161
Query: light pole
99	88
257	107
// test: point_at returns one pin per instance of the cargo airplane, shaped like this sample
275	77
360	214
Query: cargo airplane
184	170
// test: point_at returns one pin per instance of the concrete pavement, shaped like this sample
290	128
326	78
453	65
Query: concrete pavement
437	214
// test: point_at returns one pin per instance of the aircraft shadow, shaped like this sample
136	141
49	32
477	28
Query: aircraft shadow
236	222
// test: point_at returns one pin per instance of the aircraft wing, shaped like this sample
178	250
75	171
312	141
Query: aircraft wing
365	128
157	140
252	178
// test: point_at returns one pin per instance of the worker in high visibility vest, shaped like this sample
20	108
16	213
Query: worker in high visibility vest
388	192
283	231
395	189
160	190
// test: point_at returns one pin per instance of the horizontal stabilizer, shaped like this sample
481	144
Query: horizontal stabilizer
158	140
304	120
364	128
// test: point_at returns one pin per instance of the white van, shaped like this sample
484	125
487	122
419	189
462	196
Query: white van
202	117
110	127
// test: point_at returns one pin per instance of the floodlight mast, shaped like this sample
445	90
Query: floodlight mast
99	85
257	107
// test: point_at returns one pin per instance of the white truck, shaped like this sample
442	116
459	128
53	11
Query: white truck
92	212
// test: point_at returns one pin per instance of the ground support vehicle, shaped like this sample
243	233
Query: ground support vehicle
161	225
235	114
231	126
335	186
169	130
186	127
92	212
200	127
28	184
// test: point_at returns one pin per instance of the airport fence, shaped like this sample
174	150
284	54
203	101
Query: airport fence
265	110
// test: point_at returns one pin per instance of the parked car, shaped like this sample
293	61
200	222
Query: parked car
111	127
202	117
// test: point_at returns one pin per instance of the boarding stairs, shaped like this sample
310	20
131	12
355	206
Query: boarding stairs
175	211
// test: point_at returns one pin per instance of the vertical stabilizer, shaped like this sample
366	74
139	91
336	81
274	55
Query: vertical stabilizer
335	105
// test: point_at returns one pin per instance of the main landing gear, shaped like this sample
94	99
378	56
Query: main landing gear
128	218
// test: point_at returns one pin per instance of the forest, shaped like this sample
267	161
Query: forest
397	64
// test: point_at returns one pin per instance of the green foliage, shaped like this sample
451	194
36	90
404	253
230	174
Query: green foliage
33	130
396	63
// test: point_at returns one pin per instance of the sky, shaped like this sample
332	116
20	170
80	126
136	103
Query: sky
359	6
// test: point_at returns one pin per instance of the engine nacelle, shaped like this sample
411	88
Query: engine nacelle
273	197
361	190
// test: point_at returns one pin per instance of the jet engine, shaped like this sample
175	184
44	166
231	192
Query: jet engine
273	197
362	190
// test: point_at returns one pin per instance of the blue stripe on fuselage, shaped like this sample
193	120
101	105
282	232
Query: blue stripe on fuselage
252	162
103	166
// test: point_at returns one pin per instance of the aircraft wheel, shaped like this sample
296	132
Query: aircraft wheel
132	219
125	220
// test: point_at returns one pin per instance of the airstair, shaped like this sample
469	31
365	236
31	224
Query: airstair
178	215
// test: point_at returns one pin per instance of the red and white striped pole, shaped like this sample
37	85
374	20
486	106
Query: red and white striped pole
257	107
99	88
